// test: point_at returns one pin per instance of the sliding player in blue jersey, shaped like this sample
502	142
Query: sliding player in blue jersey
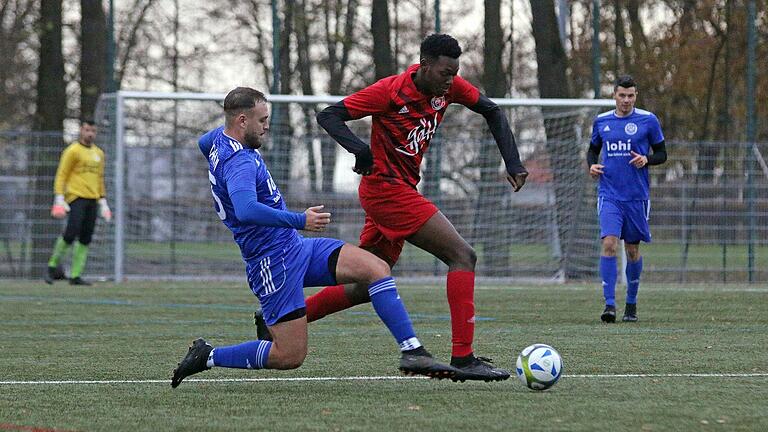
626	137
279	261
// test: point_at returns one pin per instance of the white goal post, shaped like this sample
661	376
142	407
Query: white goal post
164	227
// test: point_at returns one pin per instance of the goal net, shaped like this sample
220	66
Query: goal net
165	226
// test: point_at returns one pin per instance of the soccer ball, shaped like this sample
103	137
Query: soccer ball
539	366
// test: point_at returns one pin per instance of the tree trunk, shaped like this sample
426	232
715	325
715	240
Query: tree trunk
51	105
305	76
566	164
382	53
337	65
621	61
93	30
639	41
280	160
17	27
493	214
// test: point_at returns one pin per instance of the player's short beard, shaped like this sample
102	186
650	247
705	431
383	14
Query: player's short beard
252	140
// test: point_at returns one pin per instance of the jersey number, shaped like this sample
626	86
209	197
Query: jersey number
219	207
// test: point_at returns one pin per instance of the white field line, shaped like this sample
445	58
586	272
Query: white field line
371	378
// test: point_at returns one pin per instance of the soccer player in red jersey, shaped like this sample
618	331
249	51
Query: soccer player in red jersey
406	110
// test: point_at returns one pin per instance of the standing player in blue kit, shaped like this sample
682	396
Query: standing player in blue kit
625	136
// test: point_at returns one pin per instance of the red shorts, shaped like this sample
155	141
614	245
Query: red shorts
393	212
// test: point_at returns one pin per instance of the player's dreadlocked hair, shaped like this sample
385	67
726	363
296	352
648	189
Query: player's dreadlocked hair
625	81
242	99
436	45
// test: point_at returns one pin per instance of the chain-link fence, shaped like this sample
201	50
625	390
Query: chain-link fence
708	217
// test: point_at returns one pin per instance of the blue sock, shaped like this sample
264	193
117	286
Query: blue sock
387	304
633	279
608	274
248	355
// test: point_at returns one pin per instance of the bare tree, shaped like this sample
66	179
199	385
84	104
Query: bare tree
561	140
304	66
639	40
491	190
93	30
281	120
17	19
51	106
128	38
620	58
339	43
380	30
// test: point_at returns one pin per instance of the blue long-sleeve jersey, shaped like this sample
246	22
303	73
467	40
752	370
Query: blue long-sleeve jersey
246	197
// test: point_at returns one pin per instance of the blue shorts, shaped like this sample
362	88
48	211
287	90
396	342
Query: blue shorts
279	280
627	220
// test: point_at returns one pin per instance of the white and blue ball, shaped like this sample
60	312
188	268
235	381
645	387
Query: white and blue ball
539	366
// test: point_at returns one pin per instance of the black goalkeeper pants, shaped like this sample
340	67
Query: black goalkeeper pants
81	220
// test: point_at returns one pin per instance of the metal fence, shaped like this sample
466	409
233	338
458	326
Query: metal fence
708	216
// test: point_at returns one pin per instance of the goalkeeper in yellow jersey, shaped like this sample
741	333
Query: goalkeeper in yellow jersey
80	197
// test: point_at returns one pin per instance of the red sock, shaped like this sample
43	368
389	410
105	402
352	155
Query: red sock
461	293
326	301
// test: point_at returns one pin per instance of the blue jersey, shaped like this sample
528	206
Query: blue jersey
233	168
617	136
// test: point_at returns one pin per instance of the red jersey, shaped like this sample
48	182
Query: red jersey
404	121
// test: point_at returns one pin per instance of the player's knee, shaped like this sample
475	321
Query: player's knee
471	256
295	361
610	246
68	239
289	359
465	257
633	253
377	269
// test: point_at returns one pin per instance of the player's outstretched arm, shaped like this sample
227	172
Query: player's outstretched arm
505	140
249	210
316	219
333	119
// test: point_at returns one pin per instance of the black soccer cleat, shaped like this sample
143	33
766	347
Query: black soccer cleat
630	313
53	274
477	369
192	363
608	315
79	281
262	331
424	364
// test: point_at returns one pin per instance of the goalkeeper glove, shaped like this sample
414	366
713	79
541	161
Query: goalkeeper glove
104	210
60	207
363	162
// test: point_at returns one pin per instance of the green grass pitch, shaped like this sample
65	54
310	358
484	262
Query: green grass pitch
697	360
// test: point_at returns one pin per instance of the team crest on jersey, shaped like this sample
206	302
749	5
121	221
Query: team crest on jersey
438	103
96	158
630	128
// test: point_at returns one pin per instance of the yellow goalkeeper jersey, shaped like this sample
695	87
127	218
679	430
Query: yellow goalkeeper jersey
80	173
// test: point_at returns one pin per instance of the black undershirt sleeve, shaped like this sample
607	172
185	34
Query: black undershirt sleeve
659	155
593	154
333	119
499	126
